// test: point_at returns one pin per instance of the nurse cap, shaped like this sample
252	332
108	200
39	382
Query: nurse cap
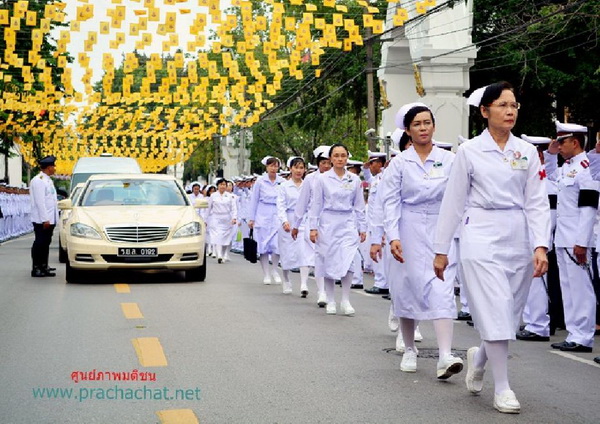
354	163
375	155
312	167
462	139
266	158
570	128
476	96
322	151
291	158
394	152
536	140
403	111
396	136
443	144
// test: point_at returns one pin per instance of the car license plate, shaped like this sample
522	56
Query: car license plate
137	251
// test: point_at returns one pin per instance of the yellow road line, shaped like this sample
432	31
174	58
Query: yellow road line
131	311
177	416
122	288
149	352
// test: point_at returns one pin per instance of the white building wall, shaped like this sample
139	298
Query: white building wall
441	47
15	169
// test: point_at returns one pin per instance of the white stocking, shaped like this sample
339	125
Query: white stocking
444	329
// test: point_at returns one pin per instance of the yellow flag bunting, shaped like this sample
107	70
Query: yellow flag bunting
152	78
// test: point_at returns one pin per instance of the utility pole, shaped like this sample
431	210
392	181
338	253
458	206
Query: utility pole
371	118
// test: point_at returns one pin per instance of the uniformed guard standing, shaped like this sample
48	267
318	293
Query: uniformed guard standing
44	215
377	161
536	314
577	204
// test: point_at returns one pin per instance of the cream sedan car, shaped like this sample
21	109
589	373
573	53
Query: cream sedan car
134	221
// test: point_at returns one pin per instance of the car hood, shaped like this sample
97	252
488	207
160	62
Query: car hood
167	216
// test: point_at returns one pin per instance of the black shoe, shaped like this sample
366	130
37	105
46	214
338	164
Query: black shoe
521	327
49	268
464	316
575	347
37	272
386	297
338	282
304	293
529	336
470	323
377	290
456	291
558	345
597	359
220	260
296	270
356	286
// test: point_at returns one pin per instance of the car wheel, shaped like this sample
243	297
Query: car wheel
63	256
73	276
197	274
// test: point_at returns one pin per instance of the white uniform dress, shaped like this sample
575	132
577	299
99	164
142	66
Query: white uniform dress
263	211
499	200
338	207
193	197
294	253
222	209
411	193
574	226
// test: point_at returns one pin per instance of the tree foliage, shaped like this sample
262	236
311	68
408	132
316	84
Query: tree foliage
549	50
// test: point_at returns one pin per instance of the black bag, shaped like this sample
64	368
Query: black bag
250	248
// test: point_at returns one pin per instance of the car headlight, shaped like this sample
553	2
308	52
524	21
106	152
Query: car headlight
81	230
188	230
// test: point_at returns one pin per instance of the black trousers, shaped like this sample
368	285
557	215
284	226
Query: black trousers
41	245
555	307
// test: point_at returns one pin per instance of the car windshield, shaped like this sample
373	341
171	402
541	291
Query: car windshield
133	192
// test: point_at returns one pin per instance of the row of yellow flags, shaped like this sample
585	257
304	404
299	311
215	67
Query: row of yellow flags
165	106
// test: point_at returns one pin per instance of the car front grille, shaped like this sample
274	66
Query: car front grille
141	234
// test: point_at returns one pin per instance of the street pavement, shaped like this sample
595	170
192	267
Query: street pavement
243	352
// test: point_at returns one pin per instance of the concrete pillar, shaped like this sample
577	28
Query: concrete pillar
441	47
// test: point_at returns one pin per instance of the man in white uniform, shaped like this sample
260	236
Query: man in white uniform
377	161
536	315
577	204
44	215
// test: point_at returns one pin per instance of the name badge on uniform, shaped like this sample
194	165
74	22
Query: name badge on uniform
518	162
437	171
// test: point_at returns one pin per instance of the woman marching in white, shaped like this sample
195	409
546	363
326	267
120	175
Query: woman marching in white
263	218
337	210
294	253
412	191
222	210
496	194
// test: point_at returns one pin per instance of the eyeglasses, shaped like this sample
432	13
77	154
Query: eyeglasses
506	105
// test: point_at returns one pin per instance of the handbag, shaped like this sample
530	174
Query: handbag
250	248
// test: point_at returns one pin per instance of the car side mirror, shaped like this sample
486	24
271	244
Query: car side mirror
65	204
201	203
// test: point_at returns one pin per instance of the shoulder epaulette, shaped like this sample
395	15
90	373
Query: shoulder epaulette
585	163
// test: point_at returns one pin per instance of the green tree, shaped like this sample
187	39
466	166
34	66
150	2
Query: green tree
549	50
